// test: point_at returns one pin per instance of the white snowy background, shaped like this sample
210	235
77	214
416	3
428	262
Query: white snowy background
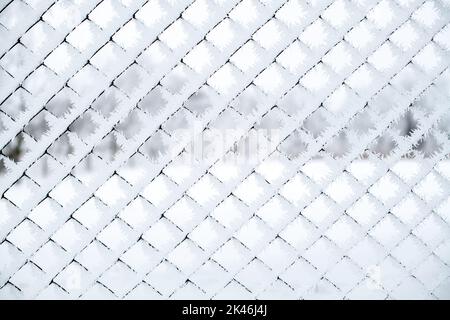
225	149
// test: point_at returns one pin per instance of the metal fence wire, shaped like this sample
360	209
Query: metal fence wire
218	149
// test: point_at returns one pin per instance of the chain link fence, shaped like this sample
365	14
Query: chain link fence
218	149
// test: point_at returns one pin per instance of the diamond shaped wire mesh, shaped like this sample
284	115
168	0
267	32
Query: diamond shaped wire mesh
222	149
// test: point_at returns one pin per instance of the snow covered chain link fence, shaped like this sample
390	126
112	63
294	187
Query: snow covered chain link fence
225	149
